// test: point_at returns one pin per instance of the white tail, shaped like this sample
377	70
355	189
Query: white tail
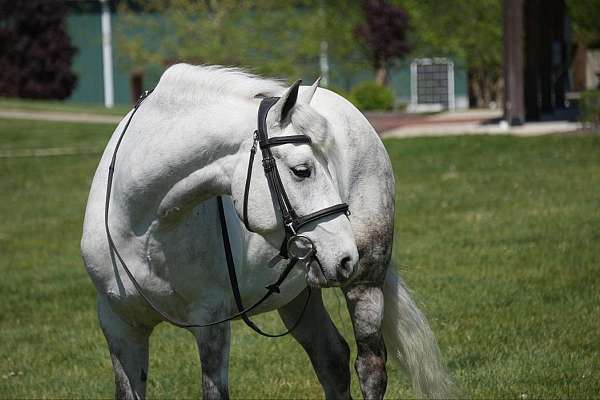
410	341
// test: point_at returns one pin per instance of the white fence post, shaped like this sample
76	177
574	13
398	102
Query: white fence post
107	61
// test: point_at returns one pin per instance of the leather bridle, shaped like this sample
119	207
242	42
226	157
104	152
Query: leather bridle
291	222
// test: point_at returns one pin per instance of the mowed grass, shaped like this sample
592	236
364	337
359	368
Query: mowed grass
498	237
7	103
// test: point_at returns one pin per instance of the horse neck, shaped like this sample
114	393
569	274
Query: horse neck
184	159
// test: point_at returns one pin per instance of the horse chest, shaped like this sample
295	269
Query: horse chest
189	258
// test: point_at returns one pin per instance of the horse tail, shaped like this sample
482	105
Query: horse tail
409	339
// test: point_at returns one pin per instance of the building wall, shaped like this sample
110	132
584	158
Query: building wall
86	35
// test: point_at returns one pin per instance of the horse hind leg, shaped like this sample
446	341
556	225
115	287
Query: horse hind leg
365	304
128	346
328	351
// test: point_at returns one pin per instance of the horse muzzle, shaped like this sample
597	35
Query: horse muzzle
320	276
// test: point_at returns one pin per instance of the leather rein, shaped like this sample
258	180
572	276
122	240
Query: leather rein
291	221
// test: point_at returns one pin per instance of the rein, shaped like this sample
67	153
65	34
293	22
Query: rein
289	248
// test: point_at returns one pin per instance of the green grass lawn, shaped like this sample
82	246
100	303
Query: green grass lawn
498	237
60	106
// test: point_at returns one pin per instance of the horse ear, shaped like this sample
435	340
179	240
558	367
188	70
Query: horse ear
286	102
306	96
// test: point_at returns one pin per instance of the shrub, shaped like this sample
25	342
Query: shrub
35	50
371	96
590	107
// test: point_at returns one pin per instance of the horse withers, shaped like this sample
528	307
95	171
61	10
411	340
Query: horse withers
188	143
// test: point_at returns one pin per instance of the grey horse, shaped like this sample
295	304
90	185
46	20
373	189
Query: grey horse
188	143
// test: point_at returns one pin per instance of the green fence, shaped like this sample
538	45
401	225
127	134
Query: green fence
86	34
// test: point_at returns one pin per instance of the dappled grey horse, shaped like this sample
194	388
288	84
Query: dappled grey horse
189	143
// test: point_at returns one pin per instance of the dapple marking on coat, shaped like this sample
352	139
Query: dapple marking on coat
188	143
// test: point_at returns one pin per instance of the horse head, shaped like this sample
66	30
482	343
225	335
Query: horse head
306	182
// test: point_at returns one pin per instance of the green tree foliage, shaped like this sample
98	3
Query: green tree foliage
35	50
469	31
369	96
585	16
267	36
383	34
590	107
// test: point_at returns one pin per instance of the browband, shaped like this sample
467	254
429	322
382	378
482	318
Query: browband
279	140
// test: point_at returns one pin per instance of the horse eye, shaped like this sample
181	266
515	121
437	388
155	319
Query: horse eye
301	171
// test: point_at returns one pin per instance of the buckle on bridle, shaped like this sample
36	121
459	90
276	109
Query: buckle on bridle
301	248
289	224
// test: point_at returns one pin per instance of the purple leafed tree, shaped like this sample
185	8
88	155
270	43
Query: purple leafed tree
35	50
383	34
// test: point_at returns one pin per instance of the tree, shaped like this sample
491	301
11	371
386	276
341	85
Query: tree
469	31
35	50
266	36
383	34
586	21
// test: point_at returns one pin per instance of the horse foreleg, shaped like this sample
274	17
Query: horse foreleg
128	346
365	304
328	351
213	345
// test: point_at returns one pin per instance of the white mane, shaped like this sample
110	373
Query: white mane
193	85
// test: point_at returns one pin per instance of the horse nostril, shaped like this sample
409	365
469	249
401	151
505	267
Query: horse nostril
346	267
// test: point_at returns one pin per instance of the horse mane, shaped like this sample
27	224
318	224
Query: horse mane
185	84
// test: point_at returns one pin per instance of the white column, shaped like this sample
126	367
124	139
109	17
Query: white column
451	94
324	63
414	100
107	61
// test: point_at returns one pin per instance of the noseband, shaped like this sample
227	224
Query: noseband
295	247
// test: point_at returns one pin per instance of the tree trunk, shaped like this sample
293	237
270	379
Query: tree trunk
381	74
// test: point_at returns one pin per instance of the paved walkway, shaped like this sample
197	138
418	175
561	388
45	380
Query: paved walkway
475	128
398	125
467	122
